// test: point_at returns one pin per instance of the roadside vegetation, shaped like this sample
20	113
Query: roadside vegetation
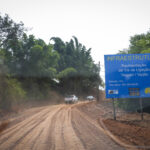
32	70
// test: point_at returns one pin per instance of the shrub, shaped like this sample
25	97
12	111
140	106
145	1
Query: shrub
11	92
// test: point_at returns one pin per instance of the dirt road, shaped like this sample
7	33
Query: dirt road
58	127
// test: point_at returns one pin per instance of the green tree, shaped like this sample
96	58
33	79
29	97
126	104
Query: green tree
139	43
11	92
74	55
10	31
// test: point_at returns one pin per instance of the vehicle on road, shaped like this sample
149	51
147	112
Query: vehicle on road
90	98
71	99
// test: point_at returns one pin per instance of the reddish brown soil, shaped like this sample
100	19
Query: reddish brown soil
74	127
4	125
129	132
133	132
128	128
57	127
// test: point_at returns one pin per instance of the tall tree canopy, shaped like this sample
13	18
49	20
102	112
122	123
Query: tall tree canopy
139	43
32	64
10	31
76	64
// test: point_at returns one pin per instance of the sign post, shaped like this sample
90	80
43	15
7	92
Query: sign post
114	110
141	108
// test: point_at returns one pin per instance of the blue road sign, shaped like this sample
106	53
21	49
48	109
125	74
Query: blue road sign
127	75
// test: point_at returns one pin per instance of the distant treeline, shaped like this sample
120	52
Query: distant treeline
30	69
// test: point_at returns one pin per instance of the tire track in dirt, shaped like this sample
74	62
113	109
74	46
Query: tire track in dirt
56	137
45	142
21	124
58	127
25	128
90	134
72	142
62	135
28	122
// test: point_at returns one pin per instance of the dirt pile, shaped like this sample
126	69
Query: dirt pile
4	125
135	133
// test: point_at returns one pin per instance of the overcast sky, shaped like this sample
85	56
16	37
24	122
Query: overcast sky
103	25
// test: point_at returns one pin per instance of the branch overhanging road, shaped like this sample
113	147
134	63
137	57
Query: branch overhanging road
57	127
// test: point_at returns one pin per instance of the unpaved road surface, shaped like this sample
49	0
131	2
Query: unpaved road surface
58	127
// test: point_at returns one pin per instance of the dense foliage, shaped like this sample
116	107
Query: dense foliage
76	69
31	69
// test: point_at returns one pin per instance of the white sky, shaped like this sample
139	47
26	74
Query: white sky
103	25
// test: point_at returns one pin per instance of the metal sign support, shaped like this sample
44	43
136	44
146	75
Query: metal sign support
141	108
114	110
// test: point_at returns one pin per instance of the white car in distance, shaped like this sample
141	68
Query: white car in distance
90	98
71	99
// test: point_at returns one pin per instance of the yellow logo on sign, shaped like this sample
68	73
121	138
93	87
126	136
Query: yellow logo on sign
147	90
